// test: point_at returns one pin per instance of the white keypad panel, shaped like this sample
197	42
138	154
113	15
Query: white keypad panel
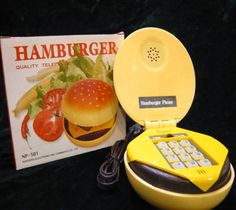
182	154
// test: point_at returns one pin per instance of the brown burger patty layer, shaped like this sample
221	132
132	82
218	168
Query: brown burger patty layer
86	137
170	182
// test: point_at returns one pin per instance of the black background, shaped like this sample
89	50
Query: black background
208	31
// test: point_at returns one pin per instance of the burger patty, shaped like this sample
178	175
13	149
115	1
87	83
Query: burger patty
170	182
86	137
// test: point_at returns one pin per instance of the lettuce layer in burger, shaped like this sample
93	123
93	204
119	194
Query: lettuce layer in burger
89	108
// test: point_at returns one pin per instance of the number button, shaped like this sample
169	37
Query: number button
162	145
167	151
204	162
190	149
179	150
178	165
173	144
185	157
191	164
172	158
197	156
185	143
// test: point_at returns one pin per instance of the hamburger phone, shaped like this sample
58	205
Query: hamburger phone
89	108
170	167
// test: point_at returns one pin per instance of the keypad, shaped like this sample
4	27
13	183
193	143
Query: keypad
182	154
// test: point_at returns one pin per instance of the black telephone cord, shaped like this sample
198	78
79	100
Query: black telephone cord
109	171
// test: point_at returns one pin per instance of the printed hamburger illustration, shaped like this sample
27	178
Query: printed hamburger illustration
79	97
70	106
89	108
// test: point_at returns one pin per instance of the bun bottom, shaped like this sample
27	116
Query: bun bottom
88	136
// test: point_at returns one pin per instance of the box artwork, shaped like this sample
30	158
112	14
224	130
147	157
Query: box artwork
60	95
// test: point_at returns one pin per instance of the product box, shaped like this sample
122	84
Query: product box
60	95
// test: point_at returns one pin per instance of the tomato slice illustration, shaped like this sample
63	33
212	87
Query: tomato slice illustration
48	125
53	98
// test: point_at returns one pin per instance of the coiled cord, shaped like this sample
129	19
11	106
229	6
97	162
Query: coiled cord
109	171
